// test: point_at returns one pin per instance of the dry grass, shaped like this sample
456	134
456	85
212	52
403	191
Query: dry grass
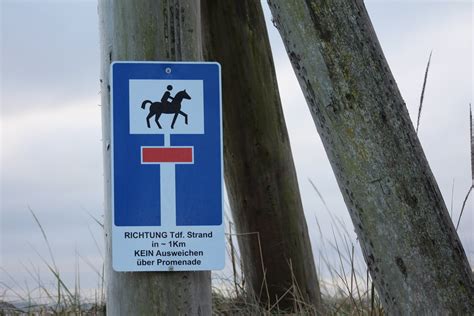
346	294
348	291
49	298
420	107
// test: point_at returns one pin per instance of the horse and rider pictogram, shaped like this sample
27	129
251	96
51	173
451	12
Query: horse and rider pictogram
168	105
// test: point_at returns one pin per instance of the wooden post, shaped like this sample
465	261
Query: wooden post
147	30
259	170
409	242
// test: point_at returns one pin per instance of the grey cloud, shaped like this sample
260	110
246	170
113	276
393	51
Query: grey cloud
50	54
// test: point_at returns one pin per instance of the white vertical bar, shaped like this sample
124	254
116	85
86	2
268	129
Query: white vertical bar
168	195
167	141
168	190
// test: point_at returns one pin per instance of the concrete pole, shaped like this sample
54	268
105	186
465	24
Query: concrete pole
147	30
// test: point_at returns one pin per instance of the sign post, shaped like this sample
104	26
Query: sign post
167	167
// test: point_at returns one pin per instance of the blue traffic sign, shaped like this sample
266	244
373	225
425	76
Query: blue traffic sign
166	165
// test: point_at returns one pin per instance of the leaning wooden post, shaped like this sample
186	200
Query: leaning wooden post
259	169
148	30
409	242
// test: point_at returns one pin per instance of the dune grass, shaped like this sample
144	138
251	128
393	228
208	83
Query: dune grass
346	292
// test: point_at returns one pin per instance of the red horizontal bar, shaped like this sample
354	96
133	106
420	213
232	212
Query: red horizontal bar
167	154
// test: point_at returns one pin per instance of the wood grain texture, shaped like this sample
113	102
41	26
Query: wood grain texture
148	30
259	169
408	240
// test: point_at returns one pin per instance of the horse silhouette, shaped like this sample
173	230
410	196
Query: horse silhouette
158	108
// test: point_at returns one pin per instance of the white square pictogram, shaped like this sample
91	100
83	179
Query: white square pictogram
185	98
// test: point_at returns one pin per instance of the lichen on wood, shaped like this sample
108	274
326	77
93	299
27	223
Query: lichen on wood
408	240
259	169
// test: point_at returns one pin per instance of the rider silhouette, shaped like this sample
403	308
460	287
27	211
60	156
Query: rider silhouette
167	96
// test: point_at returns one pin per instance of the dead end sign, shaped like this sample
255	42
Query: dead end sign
166	152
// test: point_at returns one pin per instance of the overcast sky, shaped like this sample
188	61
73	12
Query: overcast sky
51	158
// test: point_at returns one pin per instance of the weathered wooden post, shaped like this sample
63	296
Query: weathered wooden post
259	170
148	30
415	257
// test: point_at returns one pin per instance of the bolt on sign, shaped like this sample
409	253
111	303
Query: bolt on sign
167	166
